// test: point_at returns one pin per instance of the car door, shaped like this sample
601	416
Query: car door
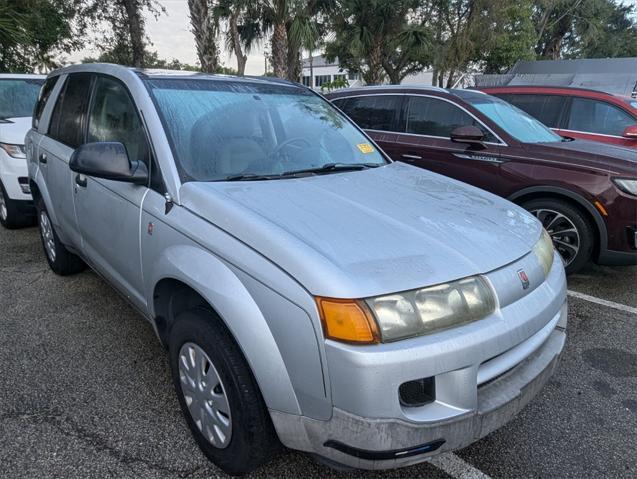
108	212
378	115
426	142
598	120
64	134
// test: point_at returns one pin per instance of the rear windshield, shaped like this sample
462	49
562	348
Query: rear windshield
220	129
18	96
517	123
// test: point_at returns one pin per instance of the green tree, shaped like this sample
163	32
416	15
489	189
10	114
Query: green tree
205	28
243	28
380	39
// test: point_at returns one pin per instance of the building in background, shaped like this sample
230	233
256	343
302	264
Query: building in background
317	71
612	75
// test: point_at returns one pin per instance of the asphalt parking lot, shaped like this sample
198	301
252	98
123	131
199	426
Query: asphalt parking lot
85	388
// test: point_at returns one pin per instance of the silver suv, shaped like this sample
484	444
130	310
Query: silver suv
309	291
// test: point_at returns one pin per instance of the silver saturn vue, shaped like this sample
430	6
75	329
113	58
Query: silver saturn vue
309	291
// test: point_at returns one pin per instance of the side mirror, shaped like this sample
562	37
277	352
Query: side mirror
468	134
108	160
630	132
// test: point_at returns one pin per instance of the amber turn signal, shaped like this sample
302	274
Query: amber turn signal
348	320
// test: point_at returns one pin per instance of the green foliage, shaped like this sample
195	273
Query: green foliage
335	84
380	39
32	31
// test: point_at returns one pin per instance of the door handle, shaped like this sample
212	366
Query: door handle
42	158
412	157
80	180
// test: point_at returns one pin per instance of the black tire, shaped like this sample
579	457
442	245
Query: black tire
253	440
10	216
62	262
585	230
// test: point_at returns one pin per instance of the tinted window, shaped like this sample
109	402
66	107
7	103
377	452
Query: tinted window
18	96
374	112
433	117
113	117
45	93
68	116
220	129
546	108
517	123
598	117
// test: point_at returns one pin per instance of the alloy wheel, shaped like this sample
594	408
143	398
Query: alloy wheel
46	230
205	395
563	232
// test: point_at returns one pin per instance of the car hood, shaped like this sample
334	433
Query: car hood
14	130
608	158
370	232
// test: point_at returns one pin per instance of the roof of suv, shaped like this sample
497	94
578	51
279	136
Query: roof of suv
542	88
162	73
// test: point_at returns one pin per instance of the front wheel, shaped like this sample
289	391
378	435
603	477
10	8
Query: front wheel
218	394
10	216
570	230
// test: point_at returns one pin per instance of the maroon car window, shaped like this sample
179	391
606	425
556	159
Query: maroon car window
546	108
595	116
434	117
374	112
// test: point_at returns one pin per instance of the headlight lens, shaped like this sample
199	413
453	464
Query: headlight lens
626	185
423	311
14	151
543	250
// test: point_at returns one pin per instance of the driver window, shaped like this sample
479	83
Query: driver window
113	117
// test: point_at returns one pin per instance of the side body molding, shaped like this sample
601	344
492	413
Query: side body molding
217	283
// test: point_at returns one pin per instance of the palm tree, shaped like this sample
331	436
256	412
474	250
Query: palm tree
204	28
244	28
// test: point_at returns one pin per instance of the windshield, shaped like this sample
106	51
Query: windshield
517	123
18	97
222	130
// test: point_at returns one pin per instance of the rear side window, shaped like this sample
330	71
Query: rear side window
67	121
434	117
375	112
596	116
45	93
546	108
113	117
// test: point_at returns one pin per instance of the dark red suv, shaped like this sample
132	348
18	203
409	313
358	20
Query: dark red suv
585	193
577	112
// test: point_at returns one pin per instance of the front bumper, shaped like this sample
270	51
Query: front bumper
12	172
485	372
498	402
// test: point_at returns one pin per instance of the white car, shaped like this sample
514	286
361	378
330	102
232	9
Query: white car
18	95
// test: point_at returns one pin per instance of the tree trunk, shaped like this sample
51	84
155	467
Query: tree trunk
136	31
294	63
242	58
553	47
280	51
205	32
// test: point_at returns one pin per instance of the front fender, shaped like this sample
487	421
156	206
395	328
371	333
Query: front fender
222	289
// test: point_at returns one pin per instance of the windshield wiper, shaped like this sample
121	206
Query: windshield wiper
330	167
248	177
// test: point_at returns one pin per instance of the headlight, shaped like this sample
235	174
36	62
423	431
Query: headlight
423	311
543	249
14	151
626	185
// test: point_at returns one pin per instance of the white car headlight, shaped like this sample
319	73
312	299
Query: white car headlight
543	250
427	310
626	185
14	151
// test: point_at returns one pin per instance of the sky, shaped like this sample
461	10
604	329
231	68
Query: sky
171	38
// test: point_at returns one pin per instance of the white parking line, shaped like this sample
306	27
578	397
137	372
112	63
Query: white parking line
456	467
603	302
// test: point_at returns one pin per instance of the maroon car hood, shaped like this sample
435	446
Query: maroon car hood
602	156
